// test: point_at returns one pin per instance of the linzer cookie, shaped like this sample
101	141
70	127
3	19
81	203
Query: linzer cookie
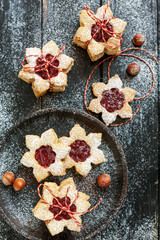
62	206
100	33
83	150
112	100
45	155
46	69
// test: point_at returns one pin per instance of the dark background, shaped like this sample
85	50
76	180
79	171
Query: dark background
31	24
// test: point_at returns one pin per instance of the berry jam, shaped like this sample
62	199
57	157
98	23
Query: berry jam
64	202
53	72
45	156
80	151
98	36
112	100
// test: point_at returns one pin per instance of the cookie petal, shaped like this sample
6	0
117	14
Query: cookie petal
113	46
40	86
32	59
126	111
28	159
118	25
65	62
85	19
77	132
98	88
95	106
109	118
82	36
40	173
115	82
101	10
60	80
49	137
129	94
33	142
94	139
95	50
50	48
41	211
83	168
57	168
98	156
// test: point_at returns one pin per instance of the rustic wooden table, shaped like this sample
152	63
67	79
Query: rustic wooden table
30	24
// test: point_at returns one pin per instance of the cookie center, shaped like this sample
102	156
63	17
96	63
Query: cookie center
64	214
80	151
45	156
112	100
99	37
52	71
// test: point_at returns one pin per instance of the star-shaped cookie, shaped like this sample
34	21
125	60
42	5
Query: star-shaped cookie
67	197
100	33
84	150
112	100
46	69
45	155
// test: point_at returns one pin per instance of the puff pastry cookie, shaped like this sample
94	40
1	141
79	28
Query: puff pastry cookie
59	216
46	69
45	155
84	150
100	33
112	100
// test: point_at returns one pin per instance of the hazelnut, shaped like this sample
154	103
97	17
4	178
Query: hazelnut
133	69
104	180
8	178
138	39
19	184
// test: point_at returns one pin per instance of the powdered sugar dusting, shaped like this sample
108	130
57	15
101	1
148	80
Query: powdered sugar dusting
138	138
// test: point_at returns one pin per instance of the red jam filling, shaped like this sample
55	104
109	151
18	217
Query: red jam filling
112	100
80	151
98	37
64	202
53	72
45	156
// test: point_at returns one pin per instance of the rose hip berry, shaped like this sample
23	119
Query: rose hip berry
138	39
133	69
104	180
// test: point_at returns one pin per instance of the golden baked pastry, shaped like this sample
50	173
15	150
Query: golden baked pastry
83	150
45	155
46	69
100	33
112	100
61	206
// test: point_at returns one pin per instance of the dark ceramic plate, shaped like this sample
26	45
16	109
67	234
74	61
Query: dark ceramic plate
17	206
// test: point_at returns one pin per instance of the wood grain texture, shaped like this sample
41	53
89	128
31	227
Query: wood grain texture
21	24
20	28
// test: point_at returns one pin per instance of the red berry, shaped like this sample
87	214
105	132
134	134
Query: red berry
104	180
138	39
133	69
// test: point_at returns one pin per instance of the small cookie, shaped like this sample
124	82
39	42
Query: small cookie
100	33
46	69
84	150
59	216
45	155
112	100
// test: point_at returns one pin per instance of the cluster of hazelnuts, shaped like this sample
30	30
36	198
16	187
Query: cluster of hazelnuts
134	68
8	179
103	181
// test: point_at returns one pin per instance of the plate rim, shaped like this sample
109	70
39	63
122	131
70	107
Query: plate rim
97	121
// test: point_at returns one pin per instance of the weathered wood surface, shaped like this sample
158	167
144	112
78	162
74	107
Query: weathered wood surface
27	24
